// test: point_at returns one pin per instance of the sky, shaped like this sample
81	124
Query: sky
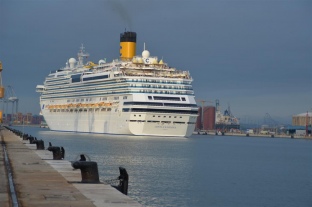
252	55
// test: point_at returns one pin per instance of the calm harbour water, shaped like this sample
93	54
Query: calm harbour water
210	171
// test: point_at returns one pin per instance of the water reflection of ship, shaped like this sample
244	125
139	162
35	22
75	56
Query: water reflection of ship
227	120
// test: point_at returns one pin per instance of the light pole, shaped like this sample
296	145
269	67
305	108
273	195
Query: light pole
23	125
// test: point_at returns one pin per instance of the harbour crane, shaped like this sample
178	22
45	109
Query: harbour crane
14	100
269	121
4	101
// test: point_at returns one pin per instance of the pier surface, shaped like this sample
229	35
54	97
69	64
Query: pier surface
41	181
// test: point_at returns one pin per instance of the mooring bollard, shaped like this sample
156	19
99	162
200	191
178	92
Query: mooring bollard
89	171
83	157
25	136
39	144
123	181
31	139
58	152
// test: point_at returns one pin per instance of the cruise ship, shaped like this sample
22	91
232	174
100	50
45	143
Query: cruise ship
132	95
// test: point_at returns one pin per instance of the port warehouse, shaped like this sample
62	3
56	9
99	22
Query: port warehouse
302	119
299	121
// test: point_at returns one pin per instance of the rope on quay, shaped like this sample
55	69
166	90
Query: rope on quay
9	173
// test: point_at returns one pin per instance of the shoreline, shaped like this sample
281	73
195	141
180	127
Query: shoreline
213	133
254	135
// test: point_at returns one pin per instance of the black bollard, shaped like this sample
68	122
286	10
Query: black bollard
31	140
123	181
63	152
57	152
39	144
89	171
82	157
25	136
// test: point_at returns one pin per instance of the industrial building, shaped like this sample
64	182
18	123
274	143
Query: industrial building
302	119
211	118
19	118
206	118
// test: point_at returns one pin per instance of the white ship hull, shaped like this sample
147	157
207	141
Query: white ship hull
118	123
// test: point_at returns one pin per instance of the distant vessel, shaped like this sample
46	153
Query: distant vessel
138	95
226	120
43	124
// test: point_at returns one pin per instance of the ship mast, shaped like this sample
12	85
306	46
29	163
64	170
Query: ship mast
81	54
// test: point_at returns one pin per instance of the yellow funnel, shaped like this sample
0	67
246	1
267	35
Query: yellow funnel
127	45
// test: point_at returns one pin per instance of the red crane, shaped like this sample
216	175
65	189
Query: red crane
307	124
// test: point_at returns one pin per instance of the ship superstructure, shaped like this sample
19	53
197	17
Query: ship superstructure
226	120
137	95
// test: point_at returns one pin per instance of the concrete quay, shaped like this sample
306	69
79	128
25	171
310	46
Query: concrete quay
41	181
